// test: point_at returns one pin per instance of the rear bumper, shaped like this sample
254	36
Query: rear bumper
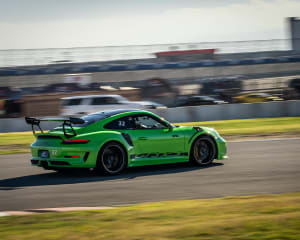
63	157
54	163
59	163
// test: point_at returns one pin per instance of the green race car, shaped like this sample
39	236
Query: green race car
111	141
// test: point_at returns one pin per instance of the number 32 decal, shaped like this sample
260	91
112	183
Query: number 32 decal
121	123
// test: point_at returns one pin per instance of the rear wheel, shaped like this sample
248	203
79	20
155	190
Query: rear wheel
112	159
203	151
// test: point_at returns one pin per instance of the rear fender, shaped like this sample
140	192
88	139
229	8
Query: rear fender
99	139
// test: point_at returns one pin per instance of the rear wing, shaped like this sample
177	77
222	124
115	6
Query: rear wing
67	122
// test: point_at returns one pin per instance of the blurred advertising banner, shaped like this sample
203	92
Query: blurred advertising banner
80	79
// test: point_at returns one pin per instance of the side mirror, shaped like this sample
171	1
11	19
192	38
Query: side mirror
170	127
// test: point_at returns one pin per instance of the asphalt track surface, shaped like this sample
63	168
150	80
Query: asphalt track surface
253	167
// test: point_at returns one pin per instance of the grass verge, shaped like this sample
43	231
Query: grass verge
19	142
256	126
262	217
16	142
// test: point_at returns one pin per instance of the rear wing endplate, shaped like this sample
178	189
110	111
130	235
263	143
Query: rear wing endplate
67	122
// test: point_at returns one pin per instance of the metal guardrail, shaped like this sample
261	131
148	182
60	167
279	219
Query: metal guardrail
30	57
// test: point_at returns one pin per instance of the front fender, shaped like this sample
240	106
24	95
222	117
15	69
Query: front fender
219	141
198	131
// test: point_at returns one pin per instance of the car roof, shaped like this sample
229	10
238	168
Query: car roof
110	113
90	96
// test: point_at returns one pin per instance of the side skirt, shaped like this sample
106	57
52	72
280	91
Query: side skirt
143	161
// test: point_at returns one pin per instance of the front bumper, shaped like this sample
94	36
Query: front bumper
222	149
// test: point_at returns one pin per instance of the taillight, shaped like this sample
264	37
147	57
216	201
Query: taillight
74	141
72	156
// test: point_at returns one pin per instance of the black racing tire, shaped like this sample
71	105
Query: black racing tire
112	159
203	151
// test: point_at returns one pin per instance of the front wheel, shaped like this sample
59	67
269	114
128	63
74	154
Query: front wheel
112	159
203	151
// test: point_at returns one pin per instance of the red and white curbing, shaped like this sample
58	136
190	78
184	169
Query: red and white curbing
49	210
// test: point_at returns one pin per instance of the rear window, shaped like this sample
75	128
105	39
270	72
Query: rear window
92	118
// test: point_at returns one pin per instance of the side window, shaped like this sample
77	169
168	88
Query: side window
111	100
104	101
72	102
121	123
98	101
147	122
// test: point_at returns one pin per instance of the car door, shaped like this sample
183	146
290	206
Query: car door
155	140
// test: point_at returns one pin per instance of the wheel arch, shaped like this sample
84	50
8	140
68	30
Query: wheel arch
202	135
113	141
100	167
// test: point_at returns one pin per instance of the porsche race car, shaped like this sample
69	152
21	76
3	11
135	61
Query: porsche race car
111	141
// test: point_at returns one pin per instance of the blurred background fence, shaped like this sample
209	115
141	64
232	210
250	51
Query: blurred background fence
28	57
33	81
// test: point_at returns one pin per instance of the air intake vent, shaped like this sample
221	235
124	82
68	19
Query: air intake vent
86	155
127	138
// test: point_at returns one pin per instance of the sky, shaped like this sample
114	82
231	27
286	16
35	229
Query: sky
82	23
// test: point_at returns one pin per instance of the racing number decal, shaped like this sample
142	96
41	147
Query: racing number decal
54	152
121	123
